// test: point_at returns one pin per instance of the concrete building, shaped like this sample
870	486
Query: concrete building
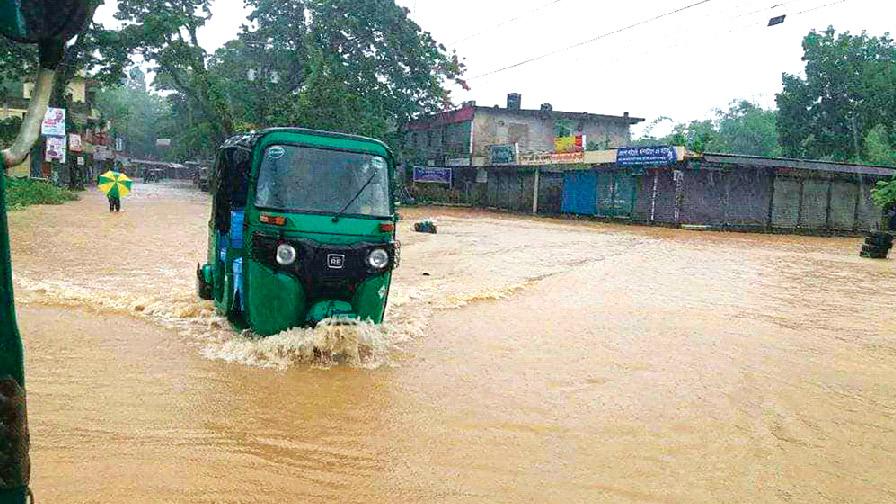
14	100
15	96
466	136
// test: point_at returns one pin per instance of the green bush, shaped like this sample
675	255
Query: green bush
884	195
21	193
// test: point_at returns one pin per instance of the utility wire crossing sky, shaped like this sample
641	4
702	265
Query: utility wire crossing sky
681	59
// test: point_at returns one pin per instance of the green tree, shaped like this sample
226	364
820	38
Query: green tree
749	130
9	128
17	60
187	143
848	91
359	66
879	147
697	136
745	129
270	57
136	115
383	59
165	32
884	194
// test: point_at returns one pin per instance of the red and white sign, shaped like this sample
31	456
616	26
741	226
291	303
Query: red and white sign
53	123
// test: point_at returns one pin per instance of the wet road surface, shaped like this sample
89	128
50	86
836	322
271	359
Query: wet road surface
524	360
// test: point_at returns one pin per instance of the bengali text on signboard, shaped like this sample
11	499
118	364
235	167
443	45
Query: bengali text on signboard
646	156
433	175
465	161
503	154
547	158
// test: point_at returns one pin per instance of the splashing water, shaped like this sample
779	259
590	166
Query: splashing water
359	345
155	283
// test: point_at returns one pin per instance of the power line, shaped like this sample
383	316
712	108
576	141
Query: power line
735	29
505	22
821	7
595	39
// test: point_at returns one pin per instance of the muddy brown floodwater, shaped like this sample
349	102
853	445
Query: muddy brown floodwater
525	360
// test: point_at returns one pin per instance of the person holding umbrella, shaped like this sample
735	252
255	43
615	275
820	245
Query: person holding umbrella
115	186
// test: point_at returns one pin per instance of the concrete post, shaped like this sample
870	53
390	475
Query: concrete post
678	176
535	190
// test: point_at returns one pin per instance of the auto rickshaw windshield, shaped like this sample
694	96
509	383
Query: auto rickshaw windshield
305	179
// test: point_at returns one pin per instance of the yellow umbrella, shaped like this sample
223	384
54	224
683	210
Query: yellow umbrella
114	184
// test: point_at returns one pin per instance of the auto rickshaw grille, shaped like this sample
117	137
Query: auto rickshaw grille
321	278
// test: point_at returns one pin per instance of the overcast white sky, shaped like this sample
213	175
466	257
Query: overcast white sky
683	66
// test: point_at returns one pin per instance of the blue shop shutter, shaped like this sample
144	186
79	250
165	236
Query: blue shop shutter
580	192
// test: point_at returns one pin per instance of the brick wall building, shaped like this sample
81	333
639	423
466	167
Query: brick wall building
464	137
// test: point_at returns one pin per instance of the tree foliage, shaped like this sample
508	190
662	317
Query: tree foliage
745	129
9	128
847	92
884	194
98	52
17	60
135	115
360	66
879	146
748	129
165	32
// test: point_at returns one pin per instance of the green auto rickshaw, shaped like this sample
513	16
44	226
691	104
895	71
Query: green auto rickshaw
302	230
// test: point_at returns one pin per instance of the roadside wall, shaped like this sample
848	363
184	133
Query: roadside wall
758	198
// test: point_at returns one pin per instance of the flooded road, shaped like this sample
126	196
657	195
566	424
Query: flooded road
525	360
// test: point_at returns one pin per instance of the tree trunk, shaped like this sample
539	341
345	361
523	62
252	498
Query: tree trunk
856	144
30	130
51	54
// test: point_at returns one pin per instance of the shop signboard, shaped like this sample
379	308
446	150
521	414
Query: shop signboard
573	143
646	156
503	154
53	123
102	153
568	158
547	158
433	175
465	161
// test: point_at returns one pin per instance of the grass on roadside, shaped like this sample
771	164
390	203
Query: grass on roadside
21	193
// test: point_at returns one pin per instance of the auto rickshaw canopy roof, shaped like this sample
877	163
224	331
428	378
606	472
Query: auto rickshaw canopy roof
311	138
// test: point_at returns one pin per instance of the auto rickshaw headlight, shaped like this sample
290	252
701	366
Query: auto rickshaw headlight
378	258
286	254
